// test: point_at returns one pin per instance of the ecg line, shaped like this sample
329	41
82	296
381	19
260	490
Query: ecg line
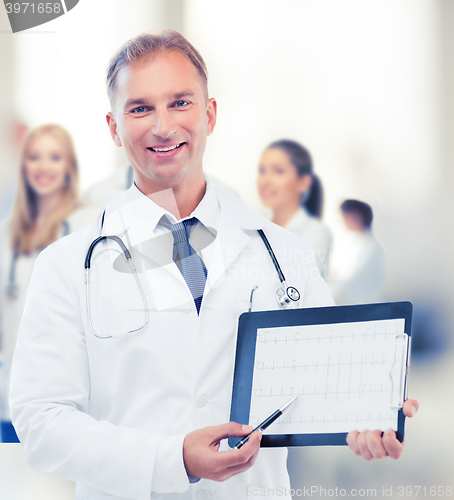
332	368
276	340
293	366
316	392
325	419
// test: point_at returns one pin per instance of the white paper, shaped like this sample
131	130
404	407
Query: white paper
341	373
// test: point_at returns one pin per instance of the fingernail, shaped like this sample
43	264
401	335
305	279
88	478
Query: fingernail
412	411
246	428
389	431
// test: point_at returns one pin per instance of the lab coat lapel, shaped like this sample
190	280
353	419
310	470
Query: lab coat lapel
236	219
229	242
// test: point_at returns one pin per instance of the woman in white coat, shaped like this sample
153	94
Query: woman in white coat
287	184
46	208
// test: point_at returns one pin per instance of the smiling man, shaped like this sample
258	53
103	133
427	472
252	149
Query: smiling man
138	408
162	116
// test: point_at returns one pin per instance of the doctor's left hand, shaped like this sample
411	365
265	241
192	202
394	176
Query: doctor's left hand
372	444
202	458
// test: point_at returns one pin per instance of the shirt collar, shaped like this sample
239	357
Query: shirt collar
133	212
207	211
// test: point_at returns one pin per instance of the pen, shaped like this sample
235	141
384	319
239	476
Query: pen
266	423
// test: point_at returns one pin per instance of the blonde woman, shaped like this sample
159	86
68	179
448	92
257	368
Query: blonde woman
46	208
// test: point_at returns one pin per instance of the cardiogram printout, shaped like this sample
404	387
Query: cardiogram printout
347	376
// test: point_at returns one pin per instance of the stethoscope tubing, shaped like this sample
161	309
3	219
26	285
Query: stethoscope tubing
283	296
271	254
102	238
128	257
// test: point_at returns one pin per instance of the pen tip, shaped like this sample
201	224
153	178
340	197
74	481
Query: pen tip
288	403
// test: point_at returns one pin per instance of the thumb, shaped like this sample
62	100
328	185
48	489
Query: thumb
230	429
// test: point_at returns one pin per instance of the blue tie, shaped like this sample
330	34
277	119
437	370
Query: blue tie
186	258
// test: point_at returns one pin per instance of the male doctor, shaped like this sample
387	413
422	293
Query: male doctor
143	415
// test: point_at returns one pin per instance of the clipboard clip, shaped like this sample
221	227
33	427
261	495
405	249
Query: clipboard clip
399	371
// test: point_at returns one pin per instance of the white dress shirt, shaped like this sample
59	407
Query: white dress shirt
365	278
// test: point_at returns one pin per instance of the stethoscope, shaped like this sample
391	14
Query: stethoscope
285	295
12	289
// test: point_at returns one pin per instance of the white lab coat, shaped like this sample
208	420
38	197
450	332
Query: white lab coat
11	310
317	234
365	281
112	414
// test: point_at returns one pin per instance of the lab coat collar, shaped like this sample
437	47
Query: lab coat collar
239	212
235	223
132	206
207	211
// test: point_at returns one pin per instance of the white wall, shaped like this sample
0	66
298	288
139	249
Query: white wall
355	81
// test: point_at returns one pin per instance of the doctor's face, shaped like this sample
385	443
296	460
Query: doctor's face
161	116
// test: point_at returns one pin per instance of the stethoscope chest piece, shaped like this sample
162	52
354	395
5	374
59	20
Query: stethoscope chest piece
287	295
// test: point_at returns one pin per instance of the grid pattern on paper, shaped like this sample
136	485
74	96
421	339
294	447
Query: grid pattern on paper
341	373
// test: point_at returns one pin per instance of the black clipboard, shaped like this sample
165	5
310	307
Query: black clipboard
250	322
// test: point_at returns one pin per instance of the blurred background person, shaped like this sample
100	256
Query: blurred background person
287	184
363	258
12	134
46	208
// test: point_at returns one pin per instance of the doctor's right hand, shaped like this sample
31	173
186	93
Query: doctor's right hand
203	459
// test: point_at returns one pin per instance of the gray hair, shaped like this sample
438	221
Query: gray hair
149	44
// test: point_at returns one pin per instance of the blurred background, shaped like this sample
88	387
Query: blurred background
365	85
